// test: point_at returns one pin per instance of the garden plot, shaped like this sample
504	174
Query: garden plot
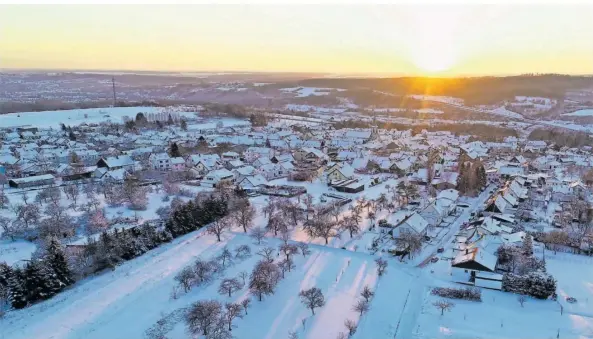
499	315
126	302
574	275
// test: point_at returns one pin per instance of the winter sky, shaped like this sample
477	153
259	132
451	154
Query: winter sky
355	38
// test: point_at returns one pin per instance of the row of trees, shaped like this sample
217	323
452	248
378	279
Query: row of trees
44	277
40	279
472	177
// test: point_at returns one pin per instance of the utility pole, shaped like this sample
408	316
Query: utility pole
113	84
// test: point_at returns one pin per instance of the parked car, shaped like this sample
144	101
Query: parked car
440	250
434	259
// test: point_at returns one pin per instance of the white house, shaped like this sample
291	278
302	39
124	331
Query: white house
177	164
160	161
413	223
337	173
252	181
217	177
253	153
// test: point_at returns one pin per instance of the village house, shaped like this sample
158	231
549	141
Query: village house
218	177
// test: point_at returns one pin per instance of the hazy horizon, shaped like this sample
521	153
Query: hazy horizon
369	40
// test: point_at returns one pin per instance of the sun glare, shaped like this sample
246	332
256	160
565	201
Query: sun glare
433	47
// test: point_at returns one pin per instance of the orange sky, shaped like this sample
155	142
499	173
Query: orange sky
404	39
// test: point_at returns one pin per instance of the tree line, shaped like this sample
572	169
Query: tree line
53	270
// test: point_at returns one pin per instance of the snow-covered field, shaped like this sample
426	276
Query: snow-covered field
581	113
13	252
505	112
76	116
127	301
499	315
308	91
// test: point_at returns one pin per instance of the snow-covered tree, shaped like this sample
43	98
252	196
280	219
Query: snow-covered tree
225	257
55	258
367	293
289	250
242	252
350	326
264	278
186	278
204	271
202	316
361	306
232	311
527	245
304	248
229	285
312	298
411	242
443	305
258	234
351	225
243	214
381	266
267	253
246	303
218	227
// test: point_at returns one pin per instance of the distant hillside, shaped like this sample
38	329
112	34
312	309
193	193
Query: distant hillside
478	90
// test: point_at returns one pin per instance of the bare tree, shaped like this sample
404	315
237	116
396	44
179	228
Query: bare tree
264	278
335	212
98	221
410	241
232	311
270	208
185	278
3	198
367	293
372	217
71	192
243	275
242	251
246	303
304	248
286	265
276	224
229	286
351	225
361	306
443	305
218	227
27	214
243	214
308	201
225	257
356	213
11	229
202	316
267	253
324	228
204	271
258	234
58	222
312	298
381	266
350	326
521	299
289	250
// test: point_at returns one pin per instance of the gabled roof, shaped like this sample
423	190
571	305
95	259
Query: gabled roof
415	222
255	180
119	161
475	255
